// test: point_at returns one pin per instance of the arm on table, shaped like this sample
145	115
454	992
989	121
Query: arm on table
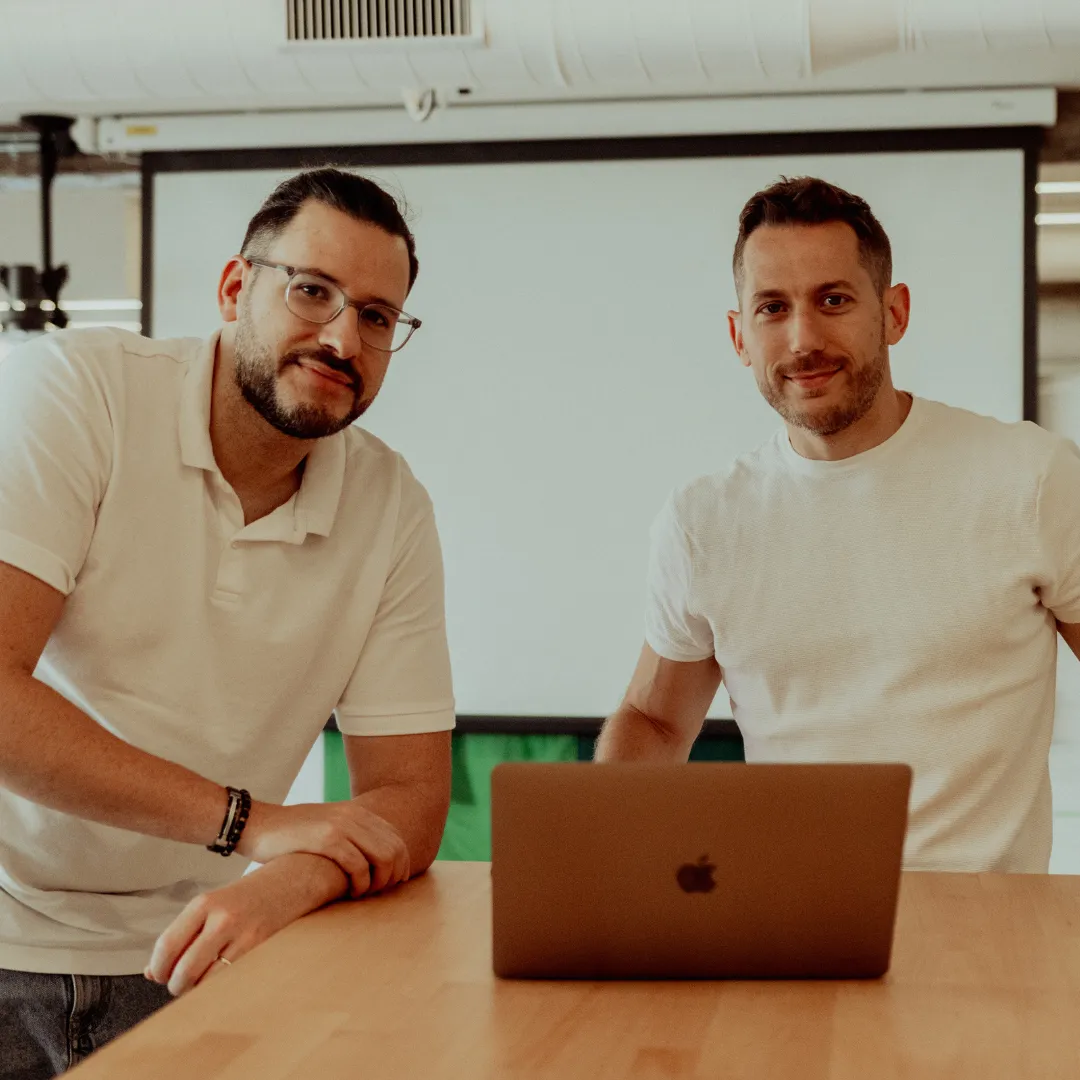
405	780
53	754
232	920
663	710
402	782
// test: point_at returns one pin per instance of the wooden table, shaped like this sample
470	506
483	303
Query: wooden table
985	983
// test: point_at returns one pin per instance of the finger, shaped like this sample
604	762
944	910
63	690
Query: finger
381	857
174	940
399	867
381	875
223	961
197	960
351	861
354	863
387	853
381	846
362	883
399	861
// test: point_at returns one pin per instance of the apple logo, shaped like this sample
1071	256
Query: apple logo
696	877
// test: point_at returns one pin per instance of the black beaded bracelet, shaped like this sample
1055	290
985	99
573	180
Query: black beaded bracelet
236	815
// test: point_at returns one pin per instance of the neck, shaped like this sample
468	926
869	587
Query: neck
255	458
883	420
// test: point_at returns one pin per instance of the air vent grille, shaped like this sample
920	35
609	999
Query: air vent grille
376	20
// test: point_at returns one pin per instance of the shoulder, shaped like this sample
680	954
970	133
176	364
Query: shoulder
97	354
371	464
1016	448
704	501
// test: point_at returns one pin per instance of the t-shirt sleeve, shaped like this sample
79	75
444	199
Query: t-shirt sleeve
1058	513
402	684
55	460
671	628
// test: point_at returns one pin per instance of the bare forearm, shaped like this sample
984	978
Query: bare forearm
52	753
301	882
630	735
417	812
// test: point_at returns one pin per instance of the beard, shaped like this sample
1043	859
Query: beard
865	380
255	370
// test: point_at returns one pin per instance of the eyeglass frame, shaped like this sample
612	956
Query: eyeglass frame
346	302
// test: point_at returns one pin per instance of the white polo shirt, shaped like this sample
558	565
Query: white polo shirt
218	645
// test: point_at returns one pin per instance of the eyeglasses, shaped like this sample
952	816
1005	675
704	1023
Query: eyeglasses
318	300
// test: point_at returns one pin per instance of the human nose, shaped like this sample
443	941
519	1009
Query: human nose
805	335
341	335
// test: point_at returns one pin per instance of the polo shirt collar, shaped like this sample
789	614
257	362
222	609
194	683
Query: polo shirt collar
196	449
320	490
315	504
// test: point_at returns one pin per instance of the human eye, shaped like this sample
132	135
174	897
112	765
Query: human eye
773	307
378	318
834	301
311	289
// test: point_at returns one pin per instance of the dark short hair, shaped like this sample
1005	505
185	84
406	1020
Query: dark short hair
360	198
805	200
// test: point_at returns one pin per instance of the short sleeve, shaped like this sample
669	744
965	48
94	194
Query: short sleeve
55	459
402	684
671	629
1058	513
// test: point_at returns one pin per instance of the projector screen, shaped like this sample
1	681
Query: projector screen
574	366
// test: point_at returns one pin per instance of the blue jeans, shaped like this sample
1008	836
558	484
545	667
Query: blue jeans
48	1023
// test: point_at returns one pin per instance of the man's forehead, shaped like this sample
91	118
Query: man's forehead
834	238
778	254
344	249
318	227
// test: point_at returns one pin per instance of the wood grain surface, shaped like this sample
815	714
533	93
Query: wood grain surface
985	983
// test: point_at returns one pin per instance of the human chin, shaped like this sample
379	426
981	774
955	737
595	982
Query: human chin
307	420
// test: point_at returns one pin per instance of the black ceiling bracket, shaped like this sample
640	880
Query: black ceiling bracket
34	296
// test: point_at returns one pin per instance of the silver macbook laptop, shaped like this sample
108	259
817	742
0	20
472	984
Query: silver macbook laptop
700	870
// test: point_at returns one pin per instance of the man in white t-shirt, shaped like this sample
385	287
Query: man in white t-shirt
884	580
201	558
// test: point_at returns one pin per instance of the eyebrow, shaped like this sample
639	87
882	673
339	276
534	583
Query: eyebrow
316	272
781	294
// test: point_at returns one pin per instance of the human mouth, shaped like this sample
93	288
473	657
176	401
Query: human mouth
812	379
324	373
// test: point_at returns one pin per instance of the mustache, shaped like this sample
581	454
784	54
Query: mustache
812	363
327	360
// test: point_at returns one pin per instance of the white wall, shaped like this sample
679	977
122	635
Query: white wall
574	366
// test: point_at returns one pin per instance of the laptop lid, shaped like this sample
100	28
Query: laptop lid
700	870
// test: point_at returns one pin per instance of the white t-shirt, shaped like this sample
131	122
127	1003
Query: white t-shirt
898	605
219	646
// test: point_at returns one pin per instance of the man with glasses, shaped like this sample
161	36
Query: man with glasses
200	559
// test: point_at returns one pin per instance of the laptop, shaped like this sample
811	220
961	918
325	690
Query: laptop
695	871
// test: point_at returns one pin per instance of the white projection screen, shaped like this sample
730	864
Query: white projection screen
574	364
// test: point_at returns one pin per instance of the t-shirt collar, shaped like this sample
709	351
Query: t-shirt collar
891	446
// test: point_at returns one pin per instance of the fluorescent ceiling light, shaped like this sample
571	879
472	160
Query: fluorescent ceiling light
101	305
81	305
134	327
1058	187
1057	219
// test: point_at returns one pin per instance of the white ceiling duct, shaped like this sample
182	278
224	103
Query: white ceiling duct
154	56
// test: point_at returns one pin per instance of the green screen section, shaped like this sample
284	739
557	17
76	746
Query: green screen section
474	755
